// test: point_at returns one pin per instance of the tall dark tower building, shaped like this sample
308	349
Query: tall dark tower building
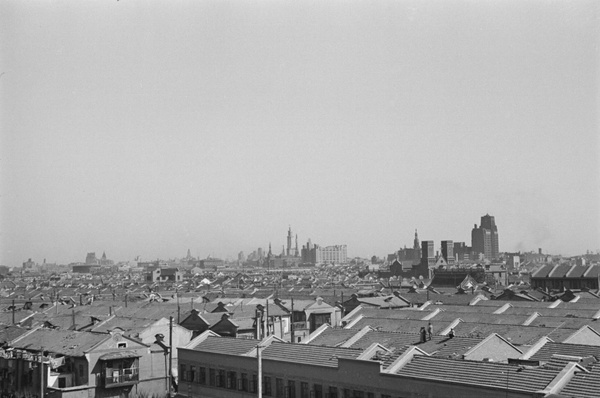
428	253
485	238
488	222
448	251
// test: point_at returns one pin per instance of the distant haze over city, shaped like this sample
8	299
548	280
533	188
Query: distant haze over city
149	129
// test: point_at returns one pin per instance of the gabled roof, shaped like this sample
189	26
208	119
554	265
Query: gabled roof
583	385
226	345
333	337
65	342
478	373
308	354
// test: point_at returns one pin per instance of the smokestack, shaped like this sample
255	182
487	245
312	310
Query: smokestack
540	250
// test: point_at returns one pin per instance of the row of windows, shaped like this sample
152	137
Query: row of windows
249	383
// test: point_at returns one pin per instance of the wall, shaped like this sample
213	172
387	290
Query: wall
351	374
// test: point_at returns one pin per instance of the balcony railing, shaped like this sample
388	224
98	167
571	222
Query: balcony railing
121	377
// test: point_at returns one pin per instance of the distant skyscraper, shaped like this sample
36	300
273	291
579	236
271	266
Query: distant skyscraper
488	222
288	252
484	239
448	251
428	253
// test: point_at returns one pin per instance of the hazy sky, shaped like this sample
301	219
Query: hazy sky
147	128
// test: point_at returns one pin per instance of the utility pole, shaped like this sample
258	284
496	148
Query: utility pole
42	372
259	358
292	323
170	353
178	308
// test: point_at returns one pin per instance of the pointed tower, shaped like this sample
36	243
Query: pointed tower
416	249
296	252
270	254
289	242
189	255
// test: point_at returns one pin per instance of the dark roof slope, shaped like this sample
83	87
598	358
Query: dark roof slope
333	337
65	342
227	345
478	373
579	350
308	354
583	385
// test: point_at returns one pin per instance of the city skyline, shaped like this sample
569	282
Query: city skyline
149	128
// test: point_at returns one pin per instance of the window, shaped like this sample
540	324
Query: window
318	390
358	394
231	380
291	389
333	392
121	345
370	395
192	375
279	391
254	384
304	390
386	396
202	375
267	386
212	377
244	382
347	393
182	372
221	378
80	370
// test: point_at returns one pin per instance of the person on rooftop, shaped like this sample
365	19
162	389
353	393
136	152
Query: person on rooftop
429	330
423	334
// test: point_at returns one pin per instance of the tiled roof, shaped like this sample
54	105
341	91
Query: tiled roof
400	325
478	373
579	350
66	342
6	317
583	385
333	337
552	312
516	334
456	299
439	345
543	271
129	325
483	318
9	333
593	271
473	309
308	354
577	271
564	322
559	271
227	345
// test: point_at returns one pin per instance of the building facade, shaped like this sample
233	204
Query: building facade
484	239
